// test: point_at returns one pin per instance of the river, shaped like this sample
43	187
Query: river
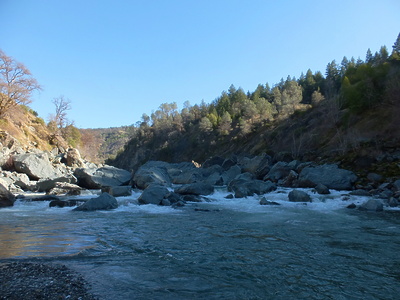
221	249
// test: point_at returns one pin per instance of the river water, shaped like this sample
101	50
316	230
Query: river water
222	249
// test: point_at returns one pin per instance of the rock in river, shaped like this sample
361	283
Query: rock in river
104	202
6	198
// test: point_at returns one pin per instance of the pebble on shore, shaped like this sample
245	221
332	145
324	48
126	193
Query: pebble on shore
25	280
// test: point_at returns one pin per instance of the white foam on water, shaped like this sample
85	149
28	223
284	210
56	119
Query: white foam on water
333	201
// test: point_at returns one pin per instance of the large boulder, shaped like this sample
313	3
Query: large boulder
212	175
65	188
371	205
35	165
45	185
231	174
216	160
154	194
329	175
73	158
152	172
198	188
299	196
6	198
259	166
104	202
279	171
91	178
246	187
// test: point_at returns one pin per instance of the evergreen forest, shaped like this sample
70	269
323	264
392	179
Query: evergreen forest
332	115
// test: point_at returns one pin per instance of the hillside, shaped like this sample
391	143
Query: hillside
21	127
349	116
100	144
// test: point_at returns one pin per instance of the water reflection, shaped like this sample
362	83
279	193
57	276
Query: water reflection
35	241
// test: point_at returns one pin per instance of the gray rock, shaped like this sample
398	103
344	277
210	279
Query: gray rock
396	185
374	177
259	166
73	158
65	188
22	180
244	187
351	206
299	196
230	174
278	171
322	189
105	176
329	175
64	203
185	176
45	185
290	180
35	165
216	160
393	202
264	201
183	173
359	193
104	202
153	194
228	163
118	191
371	205
152	172
198	188
6	198
193	198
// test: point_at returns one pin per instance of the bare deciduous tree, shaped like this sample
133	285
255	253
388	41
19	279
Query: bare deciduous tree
16	83
62	105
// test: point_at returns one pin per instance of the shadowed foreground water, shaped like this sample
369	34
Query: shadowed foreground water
235	250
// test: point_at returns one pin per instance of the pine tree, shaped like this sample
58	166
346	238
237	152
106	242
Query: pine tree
396	49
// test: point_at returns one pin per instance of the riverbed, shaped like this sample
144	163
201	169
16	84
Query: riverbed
219	249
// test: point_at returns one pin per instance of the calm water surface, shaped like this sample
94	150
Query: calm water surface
235	250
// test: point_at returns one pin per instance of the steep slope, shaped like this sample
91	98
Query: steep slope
358	132
22	127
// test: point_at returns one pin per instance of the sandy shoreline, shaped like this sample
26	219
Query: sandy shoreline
33	280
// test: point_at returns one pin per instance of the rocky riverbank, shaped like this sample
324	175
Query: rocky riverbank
26	280
65	175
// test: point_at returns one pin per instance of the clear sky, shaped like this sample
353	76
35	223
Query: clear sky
116	60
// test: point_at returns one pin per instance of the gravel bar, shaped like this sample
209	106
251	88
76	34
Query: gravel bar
25	281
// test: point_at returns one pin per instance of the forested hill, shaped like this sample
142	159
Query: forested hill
351	113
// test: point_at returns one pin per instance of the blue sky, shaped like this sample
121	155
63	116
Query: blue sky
116	60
